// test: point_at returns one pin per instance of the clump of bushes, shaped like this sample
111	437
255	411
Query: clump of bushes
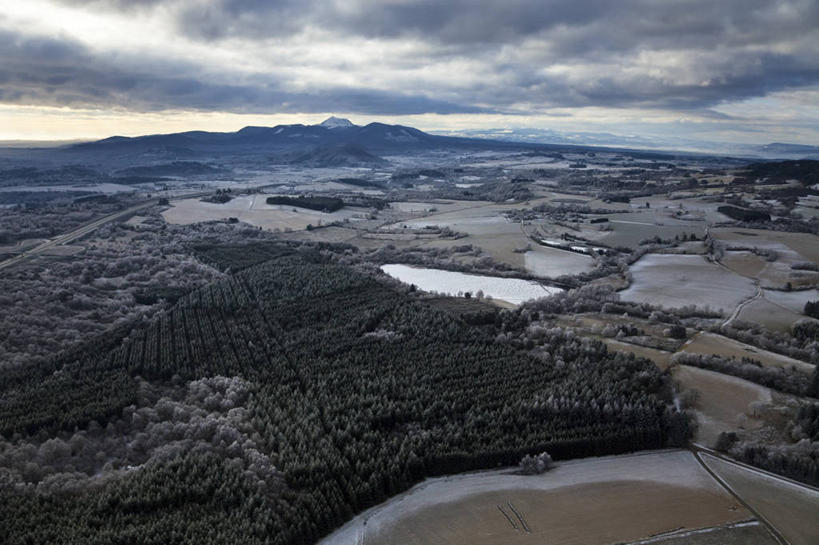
535	465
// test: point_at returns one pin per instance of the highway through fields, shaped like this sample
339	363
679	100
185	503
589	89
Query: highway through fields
71	236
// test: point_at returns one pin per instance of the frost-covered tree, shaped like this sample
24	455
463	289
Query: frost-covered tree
535	465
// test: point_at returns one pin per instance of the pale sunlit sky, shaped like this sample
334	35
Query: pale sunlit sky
736	71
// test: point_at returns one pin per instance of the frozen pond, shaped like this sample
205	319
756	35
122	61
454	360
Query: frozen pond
512	290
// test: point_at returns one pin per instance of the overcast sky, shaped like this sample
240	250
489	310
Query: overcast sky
743	71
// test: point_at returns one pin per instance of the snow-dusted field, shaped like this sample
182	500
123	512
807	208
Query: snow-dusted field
579	501
512	290
711	343
675	281
723	402
792	300
791	247
254	210
551	262
791	508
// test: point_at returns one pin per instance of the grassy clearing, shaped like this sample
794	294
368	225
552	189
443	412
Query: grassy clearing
723	403
252	209
630	232
661	358
772	274
790	248
551	262
772	316
486	227
744	263
593	501
433	206
593	322
790	508
710	343
675	281
792	300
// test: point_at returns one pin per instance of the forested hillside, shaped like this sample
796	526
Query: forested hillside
271	406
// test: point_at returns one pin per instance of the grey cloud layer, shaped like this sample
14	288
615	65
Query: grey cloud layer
536	54
43	71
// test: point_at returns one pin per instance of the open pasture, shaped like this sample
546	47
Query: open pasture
675	281
435	206
764	312
552	262
486	227
723	402
254	210
597	321
745	263
710	343
661	358
771	274
805	245
593	501
777	309
792	300
790	508
629	233
636	223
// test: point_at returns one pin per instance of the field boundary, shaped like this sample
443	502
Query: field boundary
677	533
770	527
749	467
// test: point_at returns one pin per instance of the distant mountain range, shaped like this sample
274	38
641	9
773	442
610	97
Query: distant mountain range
374	138
339	142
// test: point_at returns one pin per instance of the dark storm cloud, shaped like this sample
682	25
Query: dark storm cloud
625	24
681	55
54	72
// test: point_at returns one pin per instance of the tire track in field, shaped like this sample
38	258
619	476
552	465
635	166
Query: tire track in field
508	518
520	517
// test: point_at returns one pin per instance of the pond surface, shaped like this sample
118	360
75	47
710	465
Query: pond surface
512	290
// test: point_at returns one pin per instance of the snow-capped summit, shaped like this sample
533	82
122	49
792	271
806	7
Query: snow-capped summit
334	122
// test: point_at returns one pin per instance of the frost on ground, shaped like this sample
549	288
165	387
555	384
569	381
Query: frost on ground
711	343
458	503
254	210
791	508
675	281
722	403
551	263
792	300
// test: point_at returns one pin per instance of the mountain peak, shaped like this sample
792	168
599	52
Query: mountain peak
334	122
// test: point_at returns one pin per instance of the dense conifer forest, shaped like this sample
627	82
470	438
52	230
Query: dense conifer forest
272	405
